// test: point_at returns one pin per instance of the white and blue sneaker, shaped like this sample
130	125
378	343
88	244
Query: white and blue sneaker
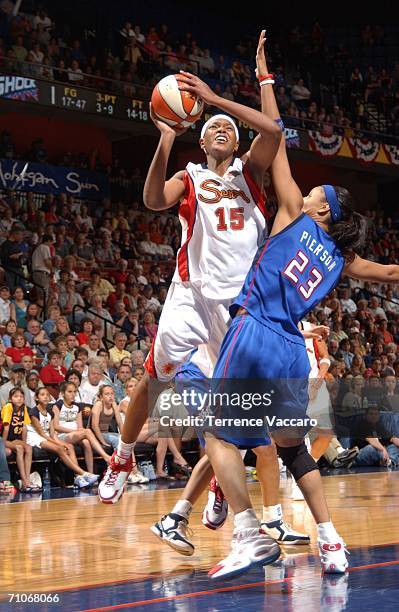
283	533
249	548
80	482
91	479
173	529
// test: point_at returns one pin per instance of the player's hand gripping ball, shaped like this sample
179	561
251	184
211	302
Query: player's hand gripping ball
177	108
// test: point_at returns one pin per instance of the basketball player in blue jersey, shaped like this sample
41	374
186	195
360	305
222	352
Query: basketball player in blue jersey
313	241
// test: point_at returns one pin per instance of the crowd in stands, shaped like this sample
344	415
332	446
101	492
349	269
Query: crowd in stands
323	80
72	352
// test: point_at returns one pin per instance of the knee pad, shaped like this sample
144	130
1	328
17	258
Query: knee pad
297	460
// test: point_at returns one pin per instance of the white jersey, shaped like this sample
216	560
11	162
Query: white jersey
311	350
223	223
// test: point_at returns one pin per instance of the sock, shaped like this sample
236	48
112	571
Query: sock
246	520
327	532
272	513
339	450
183	507
124	450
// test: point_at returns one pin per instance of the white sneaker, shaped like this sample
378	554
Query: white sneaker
250	547
137	478
112	485
91	479
333	557
296	493
80	482
35	480
173	529
283	533
216	509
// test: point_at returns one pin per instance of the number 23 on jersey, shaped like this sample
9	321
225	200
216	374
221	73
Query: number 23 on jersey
297	271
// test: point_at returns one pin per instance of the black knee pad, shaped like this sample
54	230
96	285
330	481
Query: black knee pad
297	460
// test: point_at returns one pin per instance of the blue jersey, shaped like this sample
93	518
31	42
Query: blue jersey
291	273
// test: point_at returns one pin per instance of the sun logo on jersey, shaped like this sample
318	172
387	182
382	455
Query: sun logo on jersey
211	186
168	368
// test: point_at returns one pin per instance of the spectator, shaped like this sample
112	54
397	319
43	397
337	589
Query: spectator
377	445
90	387
104	411
300	93
37	338
68	424
5	305
19	307
42	266
15	418
93	345
86	328
12	255
124	372
118	352
42	435
17	379
53	374
18	348
390	399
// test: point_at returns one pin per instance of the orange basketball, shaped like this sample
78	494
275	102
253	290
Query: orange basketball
175	107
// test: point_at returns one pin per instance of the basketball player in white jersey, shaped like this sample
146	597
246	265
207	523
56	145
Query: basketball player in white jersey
222	213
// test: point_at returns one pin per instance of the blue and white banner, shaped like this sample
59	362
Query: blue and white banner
42	178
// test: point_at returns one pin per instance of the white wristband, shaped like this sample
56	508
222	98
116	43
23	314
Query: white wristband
267	82
325	360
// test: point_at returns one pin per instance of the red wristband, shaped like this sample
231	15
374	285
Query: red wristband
263	77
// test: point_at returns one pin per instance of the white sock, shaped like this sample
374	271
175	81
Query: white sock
340	450
183	508
327	532
243	452
124	449
245	520
272	513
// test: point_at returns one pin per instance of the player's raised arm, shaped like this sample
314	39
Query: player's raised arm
363	269
160	194
287	191
265	146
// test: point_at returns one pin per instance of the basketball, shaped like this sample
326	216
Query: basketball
177	108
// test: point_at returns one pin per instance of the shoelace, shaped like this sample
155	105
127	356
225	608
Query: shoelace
219	499
112	478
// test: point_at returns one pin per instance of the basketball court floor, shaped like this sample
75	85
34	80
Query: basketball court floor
87	556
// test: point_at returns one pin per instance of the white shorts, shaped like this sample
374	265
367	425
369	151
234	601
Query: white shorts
320	408
33	439
188	320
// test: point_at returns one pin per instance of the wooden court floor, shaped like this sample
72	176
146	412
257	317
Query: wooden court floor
76	542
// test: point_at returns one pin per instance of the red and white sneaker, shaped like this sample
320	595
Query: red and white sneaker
250	547
113	483
333	557
216	509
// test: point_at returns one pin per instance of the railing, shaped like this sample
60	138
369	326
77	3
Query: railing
129	88
108	325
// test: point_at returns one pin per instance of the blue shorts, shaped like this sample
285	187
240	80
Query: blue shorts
269	373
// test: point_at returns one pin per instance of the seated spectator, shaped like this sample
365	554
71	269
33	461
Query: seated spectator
10	330
70	298
149	328
352	402
75	74
16	379
119	295
373	391
93	345
19	307
41	434
4	369
61	329
15	418
377	445
100	286
124	372
390	399
38	338
86	328
75	377
19	347
33	383
104	362
68	425
104	411
375	308
347	304
53	374
118	352
90	387
120	275
54	313
5	305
